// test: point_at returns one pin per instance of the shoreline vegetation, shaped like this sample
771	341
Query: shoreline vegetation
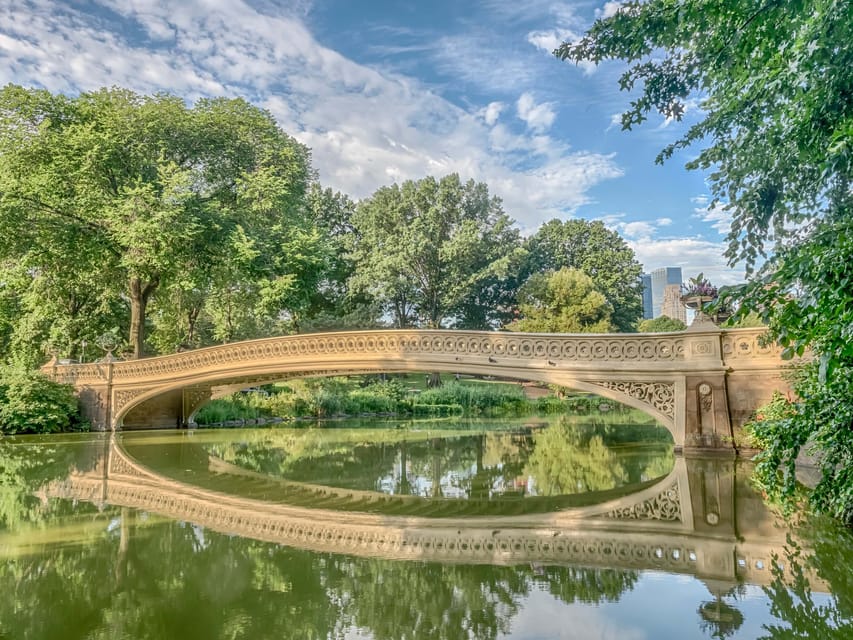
409	396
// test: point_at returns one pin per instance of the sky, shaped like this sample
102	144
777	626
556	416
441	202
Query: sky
384	91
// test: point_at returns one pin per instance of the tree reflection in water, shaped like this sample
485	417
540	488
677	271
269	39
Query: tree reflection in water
792	601
138	578
70	570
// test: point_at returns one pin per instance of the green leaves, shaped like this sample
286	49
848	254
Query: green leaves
30	403
775	81
563	301
427	249
147	193
600	253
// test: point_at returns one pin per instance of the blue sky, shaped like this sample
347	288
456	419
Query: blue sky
384	91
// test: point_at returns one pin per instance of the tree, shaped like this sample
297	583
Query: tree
424	248
598	252
773	80
569	460
334	305
563	301
661	324
149	189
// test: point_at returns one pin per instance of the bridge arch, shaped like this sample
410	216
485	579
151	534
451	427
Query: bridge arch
142	407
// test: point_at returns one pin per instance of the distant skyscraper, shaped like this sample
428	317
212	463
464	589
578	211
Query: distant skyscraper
648	313
654	287
672	305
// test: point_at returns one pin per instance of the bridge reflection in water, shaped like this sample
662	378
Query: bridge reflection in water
701	519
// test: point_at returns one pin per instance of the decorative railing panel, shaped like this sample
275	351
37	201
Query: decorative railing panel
510	349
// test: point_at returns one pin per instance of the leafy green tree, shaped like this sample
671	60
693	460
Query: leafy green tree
563	301
334	304
426	247
661	324
600	253
148	189
773	80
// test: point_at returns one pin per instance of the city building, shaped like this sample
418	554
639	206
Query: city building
662	289
672	305
647	296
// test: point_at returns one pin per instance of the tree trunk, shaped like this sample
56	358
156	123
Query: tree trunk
192	319
140	293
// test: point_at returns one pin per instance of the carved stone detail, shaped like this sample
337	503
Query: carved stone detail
664	506
739	345
193	398
706	398
122	398
503	348
660	395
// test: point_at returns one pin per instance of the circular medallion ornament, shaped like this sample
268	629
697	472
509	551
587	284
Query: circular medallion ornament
704	389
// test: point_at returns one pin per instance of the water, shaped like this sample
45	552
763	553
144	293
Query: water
549	529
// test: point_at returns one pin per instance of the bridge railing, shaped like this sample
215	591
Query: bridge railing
728	347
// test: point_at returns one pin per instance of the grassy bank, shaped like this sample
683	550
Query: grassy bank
399	396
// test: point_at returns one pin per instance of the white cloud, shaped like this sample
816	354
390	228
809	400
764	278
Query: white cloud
492	112
638	229
693	255
720	220
550	39
615	121
569	27
365	127
609	9
537	117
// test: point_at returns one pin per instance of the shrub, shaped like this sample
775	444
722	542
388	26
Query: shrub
32	403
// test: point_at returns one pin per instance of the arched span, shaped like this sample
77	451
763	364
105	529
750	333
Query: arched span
574	385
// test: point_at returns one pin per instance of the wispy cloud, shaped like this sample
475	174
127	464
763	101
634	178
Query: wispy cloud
718	218
655	248
537	117
366	127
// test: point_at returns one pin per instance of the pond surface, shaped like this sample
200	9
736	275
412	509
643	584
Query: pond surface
553	528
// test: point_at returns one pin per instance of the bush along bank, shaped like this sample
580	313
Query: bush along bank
31	403
339	398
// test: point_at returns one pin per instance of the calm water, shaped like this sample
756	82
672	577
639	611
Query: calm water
552	529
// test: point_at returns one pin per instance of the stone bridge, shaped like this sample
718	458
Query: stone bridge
701	384
701	519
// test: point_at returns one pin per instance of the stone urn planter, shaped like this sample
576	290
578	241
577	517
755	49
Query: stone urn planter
697	294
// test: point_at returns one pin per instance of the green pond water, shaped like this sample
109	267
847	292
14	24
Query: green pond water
570	527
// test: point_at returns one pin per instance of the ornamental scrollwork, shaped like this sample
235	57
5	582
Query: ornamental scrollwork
665	506
125	396
660	395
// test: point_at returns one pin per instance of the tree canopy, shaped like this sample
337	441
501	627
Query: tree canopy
154	196
601	254
660	324
773	82
427	247
563	301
